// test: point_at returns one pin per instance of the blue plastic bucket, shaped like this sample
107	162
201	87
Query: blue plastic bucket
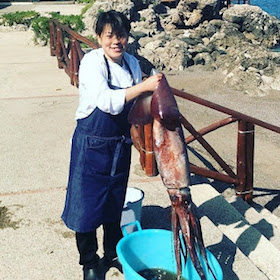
154	249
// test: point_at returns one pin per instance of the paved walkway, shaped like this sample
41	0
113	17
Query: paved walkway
66	8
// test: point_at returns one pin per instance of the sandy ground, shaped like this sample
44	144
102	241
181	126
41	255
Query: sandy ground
37	120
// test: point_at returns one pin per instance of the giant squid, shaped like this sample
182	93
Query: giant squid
161	109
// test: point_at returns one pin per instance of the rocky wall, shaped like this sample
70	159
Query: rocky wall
237	39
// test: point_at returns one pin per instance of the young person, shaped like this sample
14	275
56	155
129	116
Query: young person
109	80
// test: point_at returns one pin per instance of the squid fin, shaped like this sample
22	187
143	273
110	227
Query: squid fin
140	112
163	106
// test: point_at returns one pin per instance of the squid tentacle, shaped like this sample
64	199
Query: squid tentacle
198	233
184	210
193	248
175	228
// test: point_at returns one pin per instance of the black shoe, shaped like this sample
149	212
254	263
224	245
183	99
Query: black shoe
91	274
107	263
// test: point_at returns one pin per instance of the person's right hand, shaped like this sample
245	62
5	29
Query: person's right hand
151	83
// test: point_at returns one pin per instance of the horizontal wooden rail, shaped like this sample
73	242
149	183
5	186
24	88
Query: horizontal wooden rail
211	128
225	110
74	34
208	147
213	175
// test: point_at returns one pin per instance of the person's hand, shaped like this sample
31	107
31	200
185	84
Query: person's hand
152	82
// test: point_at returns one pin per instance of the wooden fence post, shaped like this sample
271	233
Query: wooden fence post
140	129
245	160
58	46
74	63
52	43
150	163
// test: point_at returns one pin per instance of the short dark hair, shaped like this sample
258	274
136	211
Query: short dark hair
116	20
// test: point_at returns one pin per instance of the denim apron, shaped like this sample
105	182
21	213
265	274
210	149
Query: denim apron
99	168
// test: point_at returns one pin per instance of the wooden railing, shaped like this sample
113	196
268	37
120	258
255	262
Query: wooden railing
243	179
65	44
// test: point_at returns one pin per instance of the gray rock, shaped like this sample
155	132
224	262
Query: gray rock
255	23
203	58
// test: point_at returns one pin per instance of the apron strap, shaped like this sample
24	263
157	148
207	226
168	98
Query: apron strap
123	138
109	79
116	156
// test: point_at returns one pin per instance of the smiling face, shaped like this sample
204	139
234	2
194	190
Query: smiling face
114	45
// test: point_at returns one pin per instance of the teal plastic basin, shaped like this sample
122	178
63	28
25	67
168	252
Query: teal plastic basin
154	249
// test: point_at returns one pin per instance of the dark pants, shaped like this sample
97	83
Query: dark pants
87	244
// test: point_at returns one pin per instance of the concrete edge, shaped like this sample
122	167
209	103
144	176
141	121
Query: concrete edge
230	257
247	238
264	221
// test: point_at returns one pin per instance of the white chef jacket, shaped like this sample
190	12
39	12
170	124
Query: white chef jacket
94	90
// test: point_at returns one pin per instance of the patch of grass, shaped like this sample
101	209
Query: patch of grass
88	6
75	22
24	17
5	219
100	11
41	29
85	1
40	24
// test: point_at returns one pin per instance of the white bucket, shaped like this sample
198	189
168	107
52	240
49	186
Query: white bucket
132	208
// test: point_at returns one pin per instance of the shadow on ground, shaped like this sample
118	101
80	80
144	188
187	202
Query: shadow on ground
4	6
156	217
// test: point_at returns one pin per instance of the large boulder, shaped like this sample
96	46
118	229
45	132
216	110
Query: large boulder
128	7
256	25
194	12
165	54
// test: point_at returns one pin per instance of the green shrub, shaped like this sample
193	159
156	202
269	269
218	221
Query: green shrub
41	29
25	17
100	11
75	22
85	1
40	25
